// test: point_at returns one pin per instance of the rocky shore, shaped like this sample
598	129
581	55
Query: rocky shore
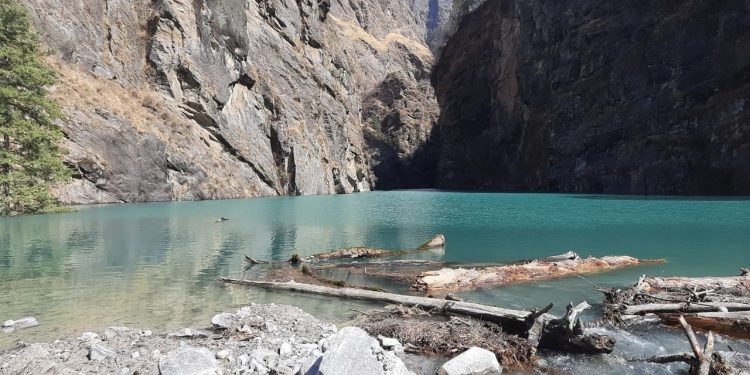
257	339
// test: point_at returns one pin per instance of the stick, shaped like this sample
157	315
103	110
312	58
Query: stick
691	338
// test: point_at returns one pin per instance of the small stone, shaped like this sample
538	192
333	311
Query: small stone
222	354
475	361
9	323
125	371
99	351
156	353
135	355
271	326
258	367
285	349
147	333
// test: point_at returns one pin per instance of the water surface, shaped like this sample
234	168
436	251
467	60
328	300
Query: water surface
155	265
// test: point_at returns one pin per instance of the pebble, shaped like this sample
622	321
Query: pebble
285	349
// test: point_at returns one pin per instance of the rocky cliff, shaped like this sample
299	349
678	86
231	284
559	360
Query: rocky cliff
183	100
590	96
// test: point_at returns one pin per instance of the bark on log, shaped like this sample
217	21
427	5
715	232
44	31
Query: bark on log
461	278
683	307
367	252
514	321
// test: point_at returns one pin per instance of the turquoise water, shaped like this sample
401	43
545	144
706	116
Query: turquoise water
155	265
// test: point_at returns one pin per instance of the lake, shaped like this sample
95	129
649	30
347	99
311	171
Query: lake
155	265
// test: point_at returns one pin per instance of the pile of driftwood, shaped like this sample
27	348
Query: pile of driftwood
718	304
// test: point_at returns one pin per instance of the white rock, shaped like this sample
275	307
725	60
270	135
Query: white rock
285	349
222	354
135	355
475	361
8	323
224	320
147	333
111	332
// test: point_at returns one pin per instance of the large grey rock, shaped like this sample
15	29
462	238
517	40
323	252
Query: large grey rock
34	360
180	100
475	361
189	361
353	351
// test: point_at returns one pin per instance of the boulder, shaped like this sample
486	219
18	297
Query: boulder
224	321
391	344
189	361
353	351
475	361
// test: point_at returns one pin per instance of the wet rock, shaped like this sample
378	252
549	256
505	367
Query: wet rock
98	351
110	333
8	323
475	361
11	325
89	337
189	361
353	351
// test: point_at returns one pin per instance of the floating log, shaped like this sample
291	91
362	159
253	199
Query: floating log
367	252
513	320
462	278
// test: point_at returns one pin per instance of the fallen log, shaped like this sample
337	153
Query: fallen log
684	307
735	324
512	320
462	278
731	284
367	252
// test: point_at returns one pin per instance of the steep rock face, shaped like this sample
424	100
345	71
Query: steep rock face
589	96
182	100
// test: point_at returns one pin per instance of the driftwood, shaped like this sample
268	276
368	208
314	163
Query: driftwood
254	261
735	324
702	361
367	252
684	307
718	304
571	265
564	334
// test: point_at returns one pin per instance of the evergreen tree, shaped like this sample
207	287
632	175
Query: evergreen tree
30	159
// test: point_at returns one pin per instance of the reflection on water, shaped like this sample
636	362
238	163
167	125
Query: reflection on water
155	265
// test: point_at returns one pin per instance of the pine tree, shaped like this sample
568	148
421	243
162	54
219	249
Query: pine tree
30	158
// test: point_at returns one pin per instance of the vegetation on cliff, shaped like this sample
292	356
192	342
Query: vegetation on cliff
29	154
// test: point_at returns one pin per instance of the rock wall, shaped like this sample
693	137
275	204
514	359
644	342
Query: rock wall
184	100
589	96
